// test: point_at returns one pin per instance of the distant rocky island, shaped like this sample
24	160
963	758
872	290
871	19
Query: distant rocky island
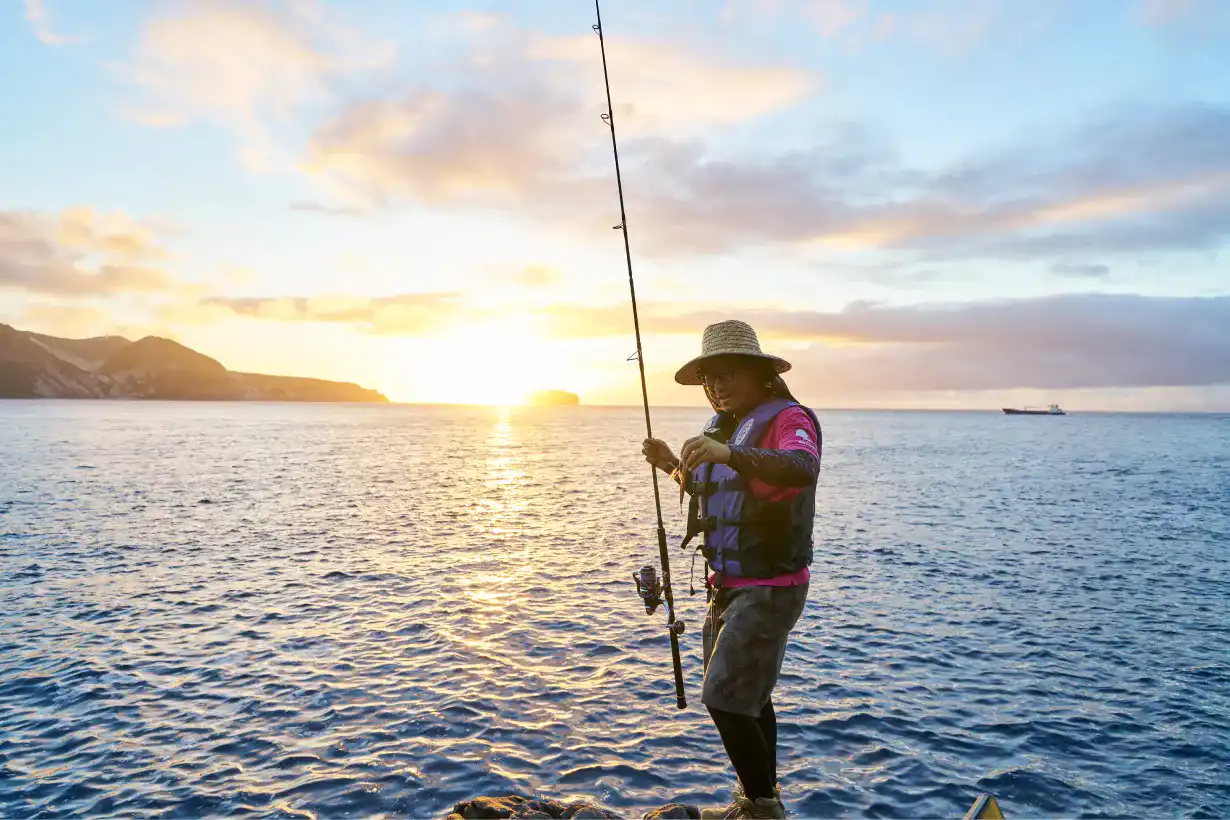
554	398
111	367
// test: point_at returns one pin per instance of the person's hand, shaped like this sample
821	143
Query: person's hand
702	449
658	454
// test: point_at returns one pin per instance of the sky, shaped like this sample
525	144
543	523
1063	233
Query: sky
933	203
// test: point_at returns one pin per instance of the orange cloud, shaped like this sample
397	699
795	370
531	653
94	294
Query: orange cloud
420	314
79	255
116	234
73	321
409	314
662	87
1112	203
937	218
492	141
536	276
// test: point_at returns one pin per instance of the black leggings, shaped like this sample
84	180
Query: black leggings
751	744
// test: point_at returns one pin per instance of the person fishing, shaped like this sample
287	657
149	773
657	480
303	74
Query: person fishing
752	480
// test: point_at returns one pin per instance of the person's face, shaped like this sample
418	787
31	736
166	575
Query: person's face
736	384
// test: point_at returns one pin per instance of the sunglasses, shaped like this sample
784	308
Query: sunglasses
710	378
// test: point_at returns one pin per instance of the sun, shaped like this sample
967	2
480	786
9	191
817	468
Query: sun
497	363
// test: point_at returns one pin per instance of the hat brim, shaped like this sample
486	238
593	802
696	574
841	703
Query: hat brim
689	374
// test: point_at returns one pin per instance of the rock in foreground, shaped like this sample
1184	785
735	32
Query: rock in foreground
516	805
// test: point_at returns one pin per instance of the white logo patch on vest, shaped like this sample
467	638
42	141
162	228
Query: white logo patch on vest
744	430
803	435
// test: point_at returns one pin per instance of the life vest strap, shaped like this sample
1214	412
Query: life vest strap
708	488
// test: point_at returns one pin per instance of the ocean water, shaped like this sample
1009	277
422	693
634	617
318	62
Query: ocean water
329	611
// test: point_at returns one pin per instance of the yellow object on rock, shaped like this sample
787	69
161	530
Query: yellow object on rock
985	808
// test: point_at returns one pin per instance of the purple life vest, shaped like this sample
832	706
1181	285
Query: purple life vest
745	536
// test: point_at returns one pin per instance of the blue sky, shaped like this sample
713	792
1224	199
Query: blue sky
944	203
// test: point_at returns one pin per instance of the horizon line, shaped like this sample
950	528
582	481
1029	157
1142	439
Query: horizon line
837	408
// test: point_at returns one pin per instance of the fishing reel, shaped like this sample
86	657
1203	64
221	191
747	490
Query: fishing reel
649	587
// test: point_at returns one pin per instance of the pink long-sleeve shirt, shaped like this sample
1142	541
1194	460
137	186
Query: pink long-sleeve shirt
791	429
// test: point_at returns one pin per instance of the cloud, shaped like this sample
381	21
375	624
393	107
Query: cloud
512	132
70	321
284	58
665	87
419	314
492	142
116	234
79	254
955	27
327	210
1148	179
521	121
952	27
1185	28
1089	341
1166	12
401	315
40	20
1078	341
1086	341
536	276
597	321
1081	271
1058	342
243	65
181	312
831	17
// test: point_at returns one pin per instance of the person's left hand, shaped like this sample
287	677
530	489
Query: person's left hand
702	449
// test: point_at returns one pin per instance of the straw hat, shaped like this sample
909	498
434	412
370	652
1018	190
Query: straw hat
729	338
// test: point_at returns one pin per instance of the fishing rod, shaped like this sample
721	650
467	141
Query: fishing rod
653	591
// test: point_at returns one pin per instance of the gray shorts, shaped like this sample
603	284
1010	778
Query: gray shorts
745	635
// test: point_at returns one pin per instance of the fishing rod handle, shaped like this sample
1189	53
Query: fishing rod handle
680	699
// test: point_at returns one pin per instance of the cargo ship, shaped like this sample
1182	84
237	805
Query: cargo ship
1052	410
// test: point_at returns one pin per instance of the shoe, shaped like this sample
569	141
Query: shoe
719	813
763	808
737	792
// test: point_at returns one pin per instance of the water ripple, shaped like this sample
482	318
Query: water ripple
315	611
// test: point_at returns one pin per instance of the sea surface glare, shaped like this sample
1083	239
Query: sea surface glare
326	611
